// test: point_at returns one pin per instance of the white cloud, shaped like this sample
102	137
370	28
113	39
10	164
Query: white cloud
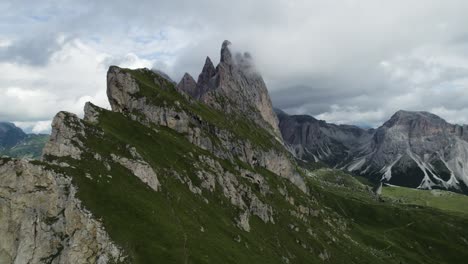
458	116
352	115
341	60
39	127
74	75
4	43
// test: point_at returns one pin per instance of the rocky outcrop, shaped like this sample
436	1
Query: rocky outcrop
121	88
67	128
239	194
235	86
43	222
91	113
140	169
187	85
205	79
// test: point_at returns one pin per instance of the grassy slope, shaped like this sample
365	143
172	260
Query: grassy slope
165	226
417	234
440	199
174	225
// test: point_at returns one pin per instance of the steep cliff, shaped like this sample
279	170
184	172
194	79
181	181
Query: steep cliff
417	149
315	140
235	86
42	221
412	149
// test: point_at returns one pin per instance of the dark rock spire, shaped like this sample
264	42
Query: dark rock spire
226	56
187	84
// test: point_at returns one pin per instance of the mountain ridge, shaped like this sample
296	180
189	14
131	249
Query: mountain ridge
423	150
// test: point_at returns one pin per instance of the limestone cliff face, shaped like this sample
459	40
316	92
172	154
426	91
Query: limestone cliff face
65	137
43	222
235	86
413	149
315	140
125	96
417	149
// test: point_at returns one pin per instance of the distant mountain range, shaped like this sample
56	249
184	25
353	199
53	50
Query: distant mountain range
412	149
14	142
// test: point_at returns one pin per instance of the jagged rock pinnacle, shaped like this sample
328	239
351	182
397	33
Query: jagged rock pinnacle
204	82
187	85
226	56
208	71
91	113
233	79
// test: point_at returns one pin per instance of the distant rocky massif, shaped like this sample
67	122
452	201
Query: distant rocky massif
197	172
15	143
412	149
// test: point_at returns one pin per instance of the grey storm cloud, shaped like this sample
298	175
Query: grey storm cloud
345	61
35	51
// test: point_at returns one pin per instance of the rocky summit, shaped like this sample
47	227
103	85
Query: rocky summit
197	172
234	86
412	149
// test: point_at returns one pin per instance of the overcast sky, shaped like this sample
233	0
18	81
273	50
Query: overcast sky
346	61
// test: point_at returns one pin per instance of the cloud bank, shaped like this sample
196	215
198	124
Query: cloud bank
342	61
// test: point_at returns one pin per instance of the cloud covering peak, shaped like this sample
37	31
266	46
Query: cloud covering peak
343	61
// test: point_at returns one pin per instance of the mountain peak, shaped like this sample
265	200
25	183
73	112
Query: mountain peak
233	88
208	63
405	117
246	92
187	75
403	113
205	78
188	85
226	56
